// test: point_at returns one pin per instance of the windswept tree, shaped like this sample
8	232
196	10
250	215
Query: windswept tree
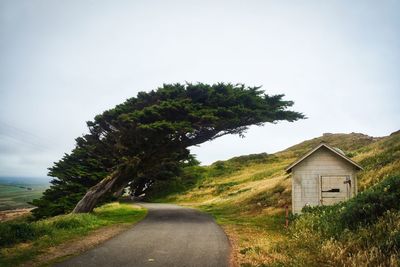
146	137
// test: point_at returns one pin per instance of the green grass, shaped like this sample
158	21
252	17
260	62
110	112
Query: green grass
227	215
18	196
23	241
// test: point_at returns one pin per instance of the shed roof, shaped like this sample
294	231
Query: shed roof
336	151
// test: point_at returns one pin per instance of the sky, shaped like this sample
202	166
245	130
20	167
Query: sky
63	62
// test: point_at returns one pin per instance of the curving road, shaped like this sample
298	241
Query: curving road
170	235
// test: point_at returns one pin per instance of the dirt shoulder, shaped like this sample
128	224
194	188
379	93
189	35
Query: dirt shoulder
7	215
77	245
233	240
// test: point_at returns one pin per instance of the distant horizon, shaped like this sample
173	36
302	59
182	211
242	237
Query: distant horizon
31	179
50	177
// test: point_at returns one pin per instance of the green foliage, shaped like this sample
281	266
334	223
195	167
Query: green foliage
68	223
16	232
88	163
150	134
221	168
187	179
11	233
369	205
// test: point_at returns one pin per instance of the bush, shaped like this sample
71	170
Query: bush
67	223
12	233
368	206
16	232
221	168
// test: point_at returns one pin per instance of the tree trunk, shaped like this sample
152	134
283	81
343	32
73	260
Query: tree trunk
92	196
112	183
118	192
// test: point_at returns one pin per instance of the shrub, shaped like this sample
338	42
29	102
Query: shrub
16	232
221	168
12	233
67	223
368	206
322	219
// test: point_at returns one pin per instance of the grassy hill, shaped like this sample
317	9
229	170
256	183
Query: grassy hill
247	196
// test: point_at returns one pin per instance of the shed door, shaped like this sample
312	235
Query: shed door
334	189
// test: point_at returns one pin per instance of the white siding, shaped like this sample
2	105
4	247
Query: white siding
306	177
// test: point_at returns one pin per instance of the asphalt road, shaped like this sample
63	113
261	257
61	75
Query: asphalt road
170	235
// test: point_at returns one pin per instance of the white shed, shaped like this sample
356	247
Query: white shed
323	176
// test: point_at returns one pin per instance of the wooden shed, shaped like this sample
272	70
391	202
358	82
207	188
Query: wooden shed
323	176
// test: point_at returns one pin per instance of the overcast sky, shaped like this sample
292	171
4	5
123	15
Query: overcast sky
63	62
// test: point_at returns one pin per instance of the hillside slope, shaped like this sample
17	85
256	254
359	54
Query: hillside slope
247	194
260	182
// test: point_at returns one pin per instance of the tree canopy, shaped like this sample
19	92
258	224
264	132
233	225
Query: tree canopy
146	139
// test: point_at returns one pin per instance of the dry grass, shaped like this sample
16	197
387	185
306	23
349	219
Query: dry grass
8	215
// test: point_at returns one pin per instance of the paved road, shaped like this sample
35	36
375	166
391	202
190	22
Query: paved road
170	235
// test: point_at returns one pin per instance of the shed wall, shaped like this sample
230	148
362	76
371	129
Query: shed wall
306	177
